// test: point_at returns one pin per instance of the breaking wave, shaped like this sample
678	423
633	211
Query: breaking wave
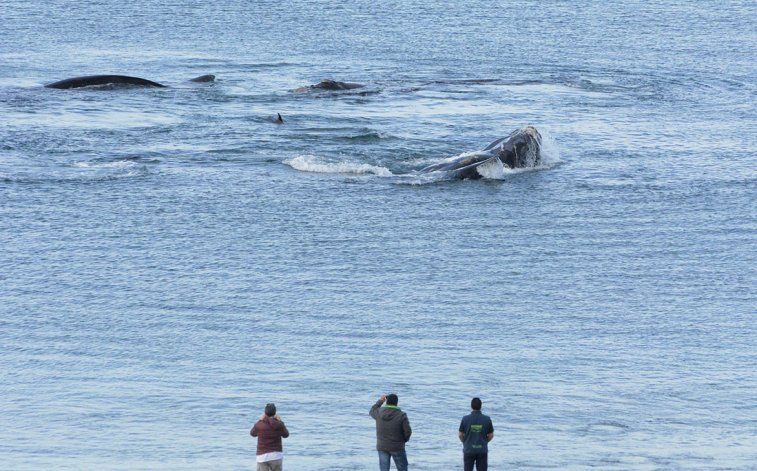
368	136
116	164
314	164
81	172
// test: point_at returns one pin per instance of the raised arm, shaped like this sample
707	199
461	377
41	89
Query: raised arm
375	408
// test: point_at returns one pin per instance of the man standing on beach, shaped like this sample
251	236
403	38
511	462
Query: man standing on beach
392	432
476	431
270	429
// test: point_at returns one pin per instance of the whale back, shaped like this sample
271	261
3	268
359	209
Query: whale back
204	78
328	84
93	80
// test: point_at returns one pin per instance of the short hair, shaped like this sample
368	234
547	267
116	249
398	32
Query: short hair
475	403
270	409
392	400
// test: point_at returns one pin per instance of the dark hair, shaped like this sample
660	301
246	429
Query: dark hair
475	403
270	409
392	400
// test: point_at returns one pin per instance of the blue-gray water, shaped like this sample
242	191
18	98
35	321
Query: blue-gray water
171	259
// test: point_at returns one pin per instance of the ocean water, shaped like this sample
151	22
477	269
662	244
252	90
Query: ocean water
171	259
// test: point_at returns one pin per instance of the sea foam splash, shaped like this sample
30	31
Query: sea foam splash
314	164
116	164
550	151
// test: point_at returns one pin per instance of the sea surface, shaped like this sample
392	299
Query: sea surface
172	259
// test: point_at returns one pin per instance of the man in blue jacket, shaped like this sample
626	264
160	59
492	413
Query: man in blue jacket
476	431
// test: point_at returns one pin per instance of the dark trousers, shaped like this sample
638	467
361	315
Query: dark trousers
480	460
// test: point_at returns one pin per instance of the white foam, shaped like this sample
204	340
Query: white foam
118	164
550	151
492	169
314	164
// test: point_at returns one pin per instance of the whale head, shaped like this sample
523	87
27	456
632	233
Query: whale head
522	149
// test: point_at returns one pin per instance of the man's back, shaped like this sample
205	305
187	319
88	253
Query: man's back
269	431
476	428
392	427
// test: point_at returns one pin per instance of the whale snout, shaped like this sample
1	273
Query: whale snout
528	150
531	131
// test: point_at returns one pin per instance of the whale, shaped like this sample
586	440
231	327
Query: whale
328	84
520	149
331	85
98	80
204	78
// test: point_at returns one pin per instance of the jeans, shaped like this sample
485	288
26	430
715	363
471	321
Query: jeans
480	459
400	460
275	465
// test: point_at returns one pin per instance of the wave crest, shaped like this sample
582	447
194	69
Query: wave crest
313	164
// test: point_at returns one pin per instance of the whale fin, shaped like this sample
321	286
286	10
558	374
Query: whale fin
491	169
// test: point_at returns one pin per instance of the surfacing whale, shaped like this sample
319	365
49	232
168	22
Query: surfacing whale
204	78
94	80
521	149
331	85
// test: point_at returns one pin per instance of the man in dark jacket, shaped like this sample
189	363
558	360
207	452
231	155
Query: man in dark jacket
270	429
476	431
392	432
